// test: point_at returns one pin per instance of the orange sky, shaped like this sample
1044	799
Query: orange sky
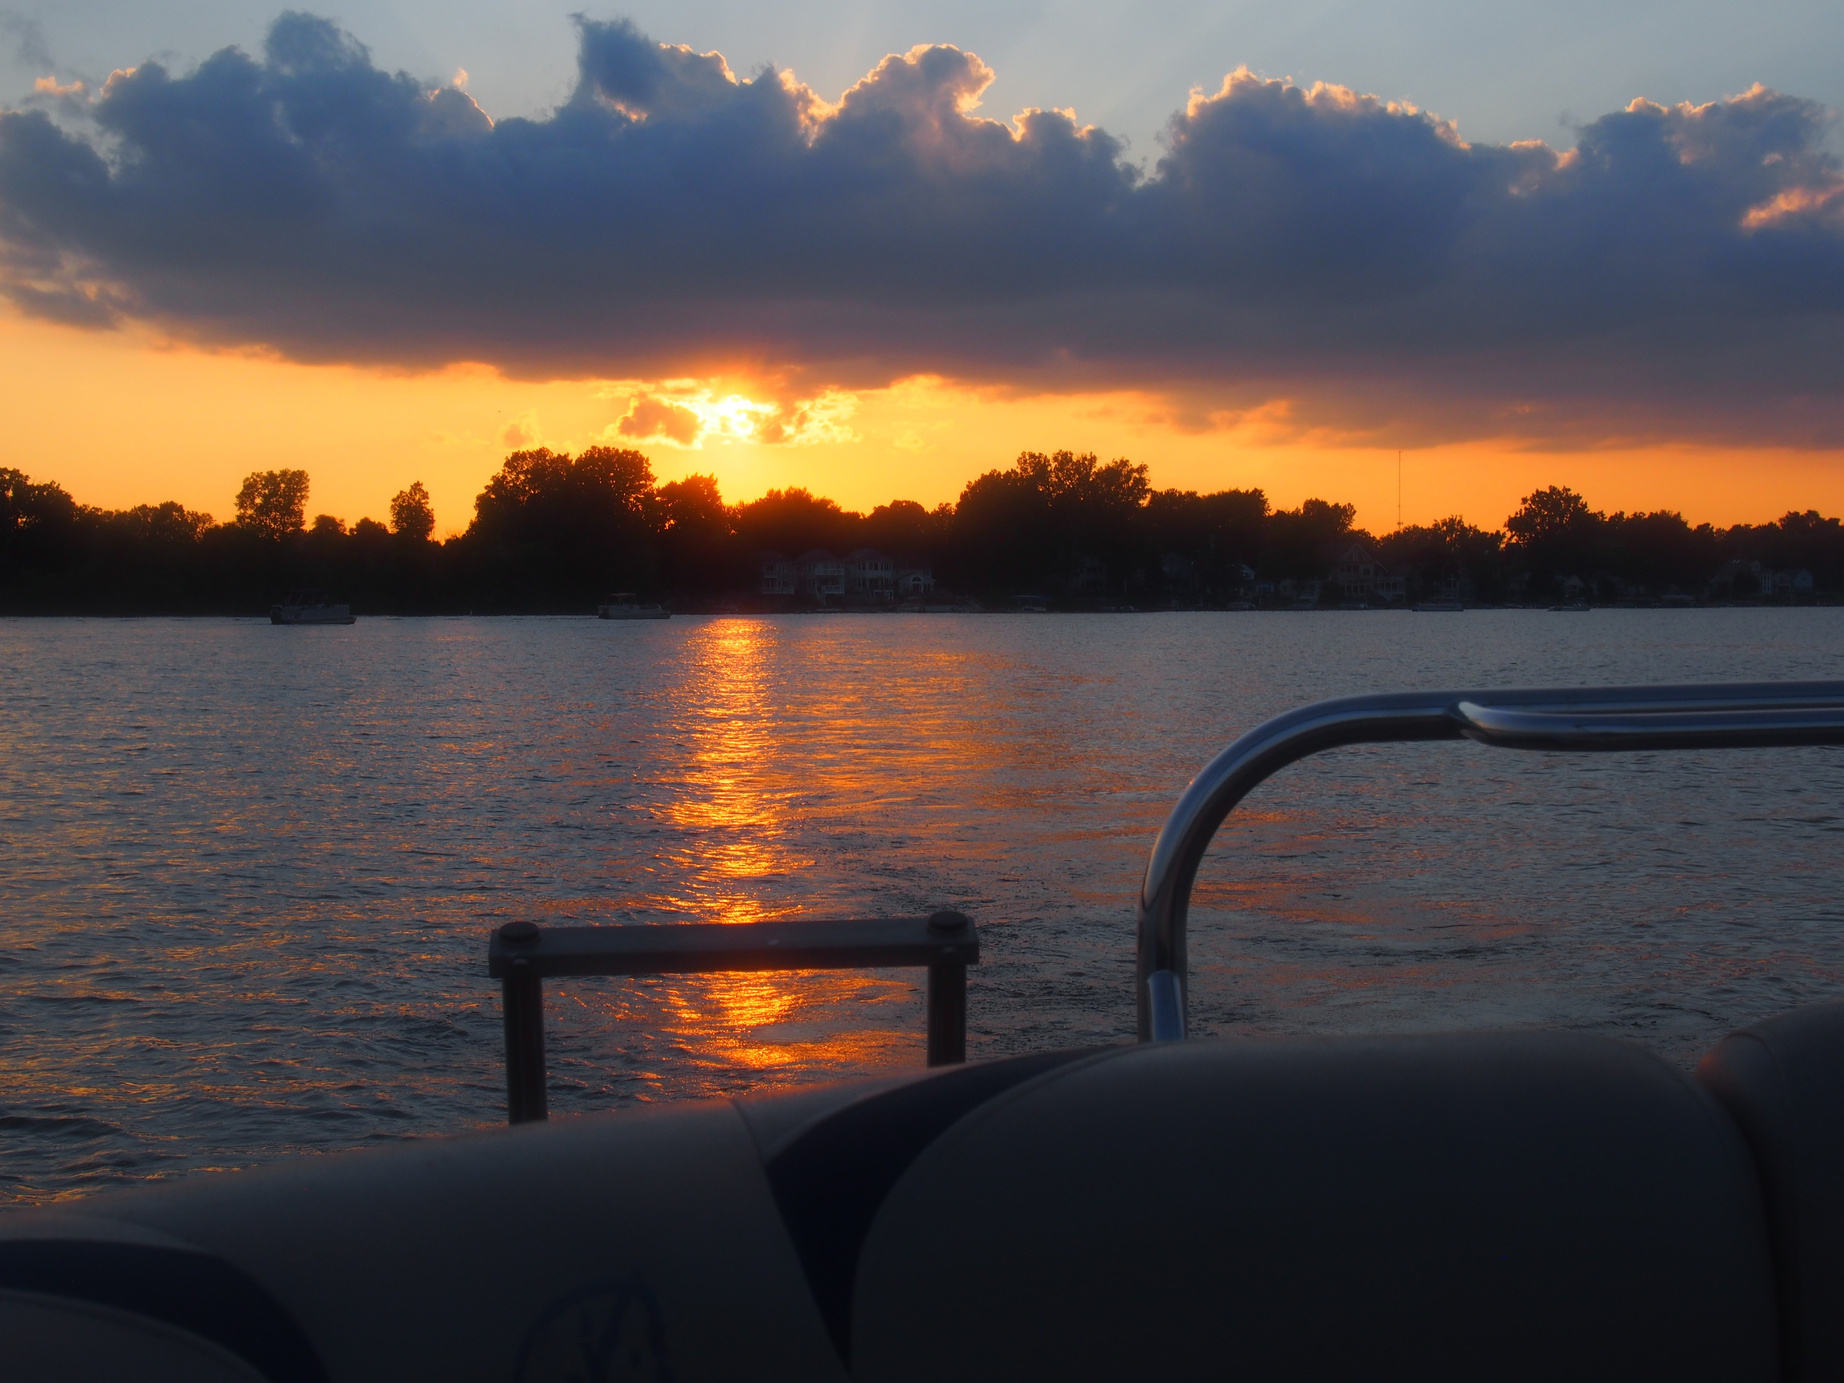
118	418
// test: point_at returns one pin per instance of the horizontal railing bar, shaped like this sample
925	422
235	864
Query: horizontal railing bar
523	955
702	947
1652	727
1597	719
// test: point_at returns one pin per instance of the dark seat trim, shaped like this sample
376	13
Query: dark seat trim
194	1292
829	1183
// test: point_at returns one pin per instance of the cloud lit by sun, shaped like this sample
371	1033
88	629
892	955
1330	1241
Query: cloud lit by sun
1305	280
687	413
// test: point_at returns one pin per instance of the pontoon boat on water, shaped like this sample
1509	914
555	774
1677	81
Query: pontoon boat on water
309	607
626	605
1505	1205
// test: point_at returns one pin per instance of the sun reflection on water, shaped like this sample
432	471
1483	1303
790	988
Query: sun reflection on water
740	843
732	805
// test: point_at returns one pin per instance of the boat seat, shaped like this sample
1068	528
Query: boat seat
1782	1082
1512	1205
1506	1206
638	1245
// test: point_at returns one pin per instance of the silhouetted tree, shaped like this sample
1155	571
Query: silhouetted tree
905	531
701	558
38	525
550	530
1301	542
793	520
1445	556
1214	533
1554	534
412	516
273	503
1797	540
1659	550
1033	525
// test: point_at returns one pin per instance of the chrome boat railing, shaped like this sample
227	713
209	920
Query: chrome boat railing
1724	716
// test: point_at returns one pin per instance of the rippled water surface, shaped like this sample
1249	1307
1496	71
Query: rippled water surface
247	873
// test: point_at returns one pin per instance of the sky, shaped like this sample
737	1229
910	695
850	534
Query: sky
879	249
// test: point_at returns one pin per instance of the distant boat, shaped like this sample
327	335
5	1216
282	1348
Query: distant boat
1575	608
309	607
625	605
1440	606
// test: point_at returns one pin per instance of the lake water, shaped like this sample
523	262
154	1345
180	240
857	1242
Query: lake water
247	873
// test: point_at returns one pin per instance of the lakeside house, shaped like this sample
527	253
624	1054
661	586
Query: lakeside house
777	576
1360	576
864	577
1179	574
1738	578
820	577
870	577
1090	577
867	578
1454	586
1301	594
914	583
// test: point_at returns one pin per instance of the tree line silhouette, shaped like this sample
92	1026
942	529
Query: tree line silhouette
552	532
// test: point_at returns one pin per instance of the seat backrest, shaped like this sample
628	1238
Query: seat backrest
1782	1082
1524	1205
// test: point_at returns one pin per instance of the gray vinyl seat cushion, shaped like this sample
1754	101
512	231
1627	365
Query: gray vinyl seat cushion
1507	1206
1782	1081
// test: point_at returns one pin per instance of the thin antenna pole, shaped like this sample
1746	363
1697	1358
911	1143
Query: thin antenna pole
1399	489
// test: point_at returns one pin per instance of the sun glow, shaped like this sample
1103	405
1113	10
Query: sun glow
126	417
688	413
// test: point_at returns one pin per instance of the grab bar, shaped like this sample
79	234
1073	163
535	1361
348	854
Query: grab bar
1750	715
522	955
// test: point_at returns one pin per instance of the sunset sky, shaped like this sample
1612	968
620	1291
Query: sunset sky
1557	245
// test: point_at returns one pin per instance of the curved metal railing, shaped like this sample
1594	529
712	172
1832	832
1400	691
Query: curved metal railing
1731	716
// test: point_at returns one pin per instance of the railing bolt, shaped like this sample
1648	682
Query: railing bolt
948	921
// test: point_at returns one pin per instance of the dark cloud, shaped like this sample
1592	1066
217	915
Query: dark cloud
1680	273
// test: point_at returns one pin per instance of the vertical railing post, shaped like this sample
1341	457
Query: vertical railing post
523	1003
947	997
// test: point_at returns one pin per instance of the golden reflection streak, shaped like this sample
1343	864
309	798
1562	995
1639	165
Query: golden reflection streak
725	806
736	796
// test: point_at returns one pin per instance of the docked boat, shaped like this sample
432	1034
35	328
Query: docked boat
1523	1204
627	605
309	607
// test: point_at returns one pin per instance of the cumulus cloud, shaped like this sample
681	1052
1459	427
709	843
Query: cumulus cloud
804	422
649	419
1679	273
522	431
